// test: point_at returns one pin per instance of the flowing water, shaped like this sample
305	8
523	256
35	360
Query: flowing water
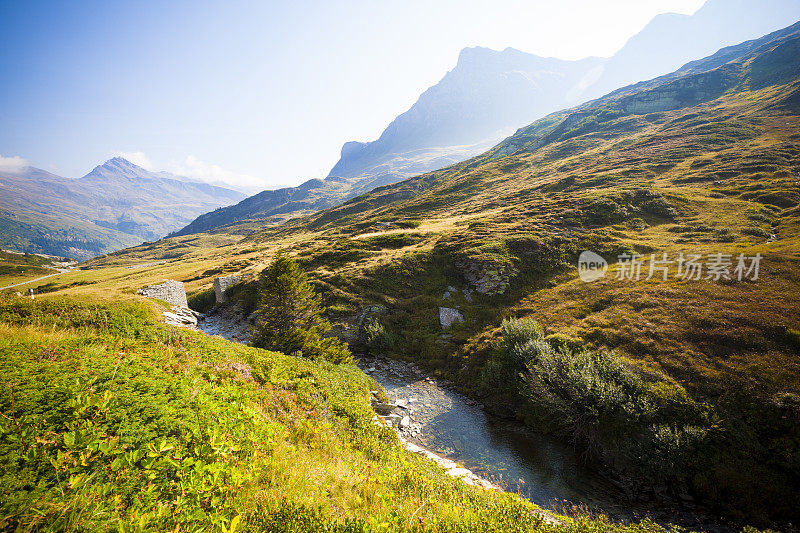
517	459
506	453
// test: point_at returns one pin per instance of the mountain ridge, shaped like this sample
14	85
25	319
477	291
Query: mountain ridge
432	135
116	204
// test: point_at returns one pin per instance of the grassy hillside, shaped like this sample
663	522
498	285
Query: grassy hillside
114	422
18	268
703	374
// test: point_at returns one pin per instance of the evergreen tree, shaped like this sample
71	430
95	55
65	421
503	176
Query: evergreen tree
291	318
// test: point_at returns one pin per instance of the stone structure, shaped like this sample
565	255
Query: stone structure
170	291
222	283
449	316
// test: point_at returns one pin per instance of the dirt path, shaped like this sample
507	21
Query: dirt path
60	271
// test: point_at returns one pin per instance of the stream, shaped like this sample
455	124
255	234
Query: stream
504	452
512	456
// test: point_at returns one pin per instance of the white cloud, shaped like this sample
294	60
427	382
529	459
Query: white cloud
137	158
193	167
12	164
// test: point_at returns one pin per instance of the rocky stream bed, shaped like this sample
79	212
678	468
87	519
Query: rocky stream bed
433	420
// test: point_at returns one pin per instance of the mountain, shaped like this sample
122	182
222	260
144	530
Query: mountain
117	204
703	161
670	40
482	100
490	94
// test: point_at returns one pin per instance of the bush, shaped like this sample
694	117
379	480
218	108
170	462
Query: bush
755	231
376	337
596	401
202	301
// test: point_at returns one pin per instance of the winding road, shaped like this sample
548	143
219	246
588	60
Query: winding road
60	271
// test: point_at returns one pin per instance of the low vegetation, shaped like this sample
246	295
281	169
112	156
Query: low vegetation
114	422
19	267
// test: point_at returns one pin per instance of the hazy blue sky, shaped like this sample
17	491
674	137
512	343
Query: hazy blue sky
262	93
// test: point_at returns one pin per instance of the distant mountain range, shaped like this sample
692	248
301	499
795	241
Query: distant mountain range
117	204
490	94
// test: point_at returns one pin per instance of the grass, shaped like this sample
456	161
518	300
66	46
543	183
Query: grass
17	267
112	421
716	176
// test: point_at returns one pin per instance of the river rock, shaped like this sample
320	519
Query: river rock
405	422
383	408
449	316
181	316
395	419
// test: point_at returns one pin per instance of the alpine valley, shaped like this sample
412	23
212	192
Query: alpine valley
450	264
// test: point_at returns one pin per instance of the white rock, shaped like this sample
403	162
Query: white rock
410	446
449	316
459	472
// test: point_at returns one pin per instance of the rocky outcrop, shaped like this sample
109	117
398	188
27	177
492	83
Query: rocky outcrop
683	92
222	284
449	316
486	277
170	291
182	317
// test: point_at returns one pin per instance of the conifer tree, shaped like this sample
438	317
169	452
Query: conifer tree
290	312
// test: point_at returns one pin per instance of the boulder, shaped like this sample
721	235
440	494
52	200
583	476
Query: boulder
181	316
449	316
383	408
395	420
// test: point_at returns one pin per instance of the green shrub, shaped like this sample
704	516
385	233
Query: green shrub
755	231
202	301
392	241
592	398
376	337
758	216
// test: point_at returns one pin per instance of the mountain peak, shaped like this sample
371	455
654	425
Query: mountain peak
119	167
478	55
119	162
